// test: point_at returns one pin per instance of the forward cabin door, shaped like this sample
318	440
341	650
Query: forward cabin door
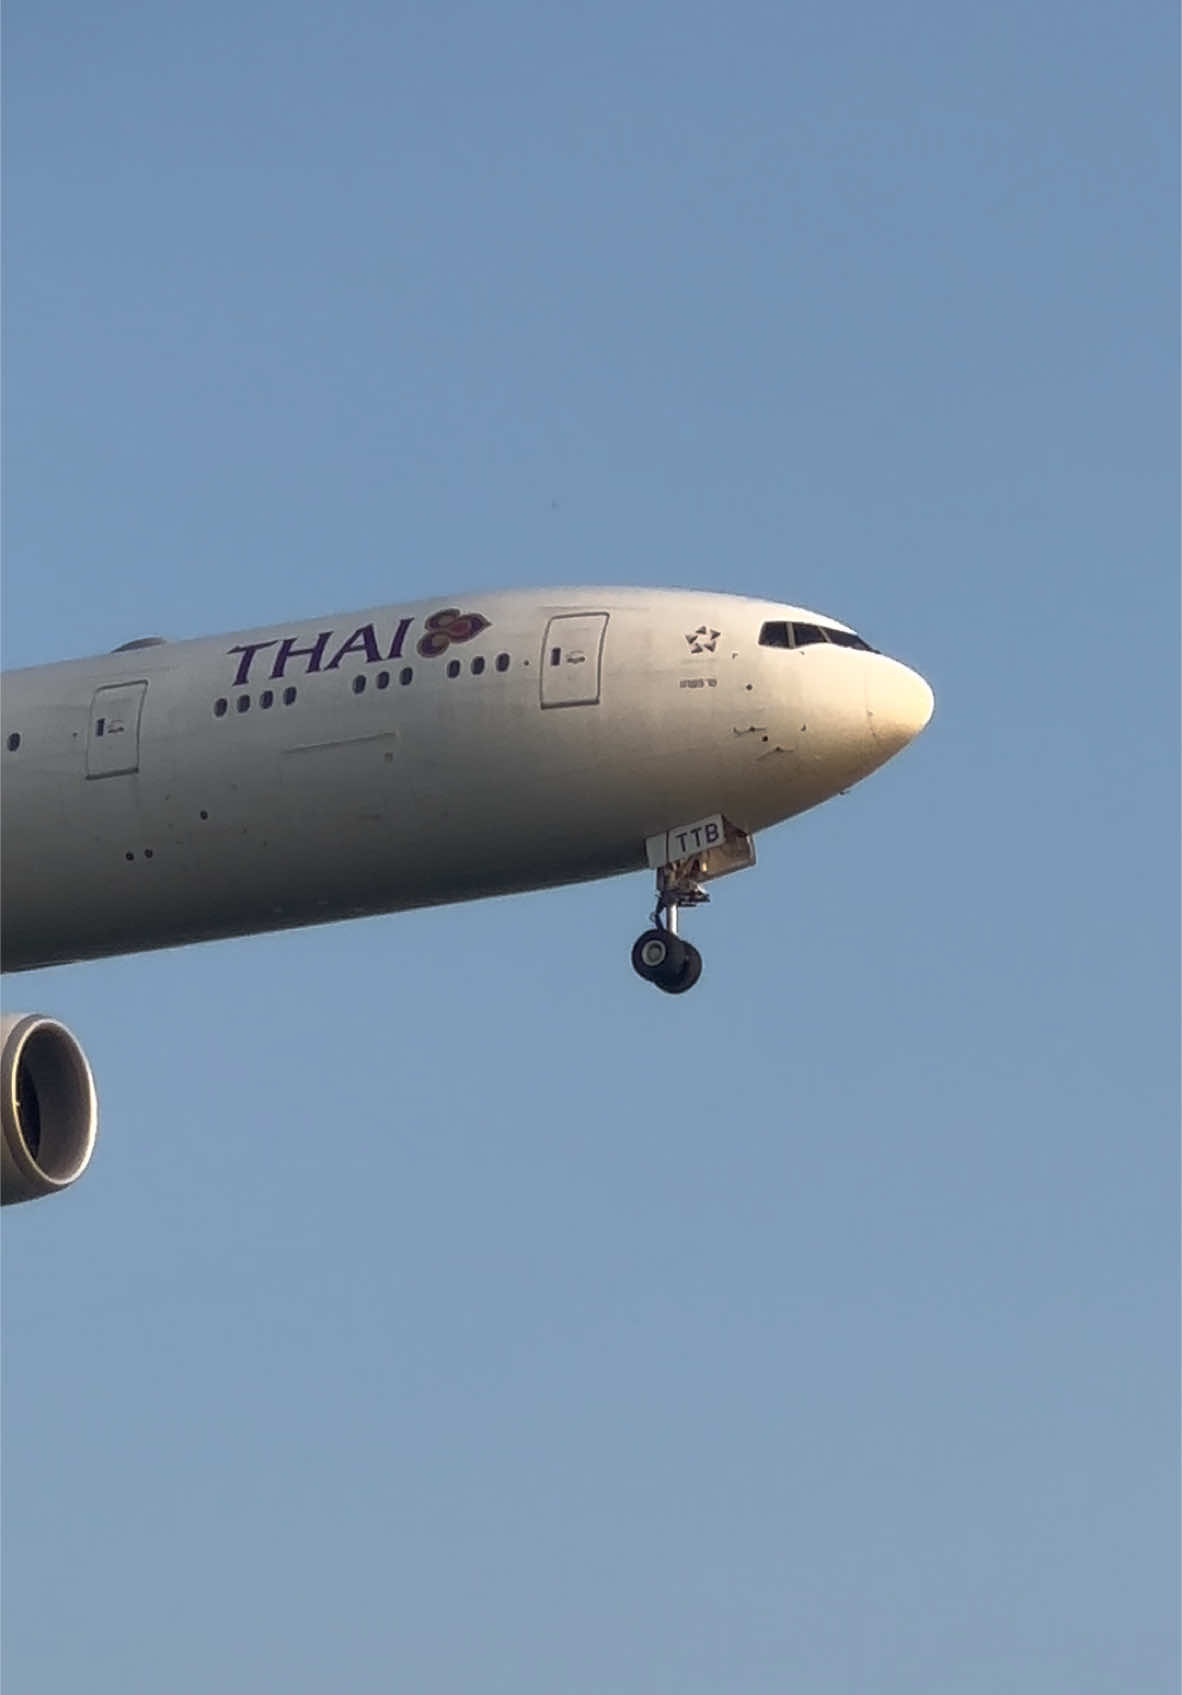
572	658
113	746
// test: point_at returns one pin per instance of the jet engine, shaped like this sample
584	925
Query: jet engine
48	1107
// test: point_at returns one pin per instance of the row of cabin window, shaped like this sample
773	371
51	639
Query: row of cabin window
267	699
360	682
782	634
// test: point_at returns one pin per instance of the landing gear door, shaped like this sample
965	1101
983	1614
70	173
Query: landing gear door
698	852
113	745
572	657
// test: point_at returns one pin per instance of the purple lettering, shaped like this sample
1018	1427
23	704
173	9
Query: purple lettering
399	637
361	641
248	651
289	650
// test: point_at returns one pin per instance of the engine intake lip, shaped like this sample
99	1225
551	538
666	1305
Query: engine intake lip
48	1105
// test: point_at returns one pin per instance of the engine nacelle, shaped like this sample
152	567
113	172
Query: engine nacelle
48	1107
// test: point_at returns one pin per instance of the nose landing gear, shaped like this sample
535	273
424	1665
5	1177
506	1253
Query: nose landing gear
683	860
660	956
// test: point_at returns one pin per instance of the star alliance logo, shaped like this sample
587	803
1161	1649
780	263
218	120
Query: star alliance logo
703	640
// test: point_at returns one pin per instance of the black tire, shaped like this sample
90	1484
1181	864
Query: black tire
658	957
690	971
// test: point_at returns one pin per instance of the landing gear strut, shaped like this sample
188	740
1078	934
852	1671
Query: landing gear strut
660	956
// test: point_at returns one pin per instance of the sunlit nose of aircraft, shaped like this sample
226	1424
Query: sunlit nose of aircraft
898	704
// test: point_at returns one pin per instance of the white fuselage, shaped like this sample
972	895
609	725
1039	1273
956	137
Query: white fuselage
410	755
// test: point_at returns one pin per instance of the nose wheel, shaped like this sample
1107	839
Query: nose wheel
661	956
664	959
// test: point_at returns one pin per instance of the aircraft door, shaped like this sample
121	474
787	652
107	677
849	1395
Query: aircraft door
113	745
572	656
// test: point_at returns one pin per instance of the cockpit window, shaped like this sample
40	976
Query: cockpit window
847	638
805	635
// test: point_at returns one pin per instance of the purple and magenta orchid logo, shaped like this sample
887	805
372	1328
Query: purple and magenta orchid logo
450	625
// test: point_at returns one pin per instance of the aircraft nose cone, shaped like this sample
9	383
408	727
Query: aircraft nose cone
899	704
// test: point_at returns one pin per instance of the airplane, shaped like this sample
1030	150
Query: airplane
405	756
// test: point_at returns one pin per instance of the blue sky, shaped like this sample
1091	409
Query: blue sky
444	1309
